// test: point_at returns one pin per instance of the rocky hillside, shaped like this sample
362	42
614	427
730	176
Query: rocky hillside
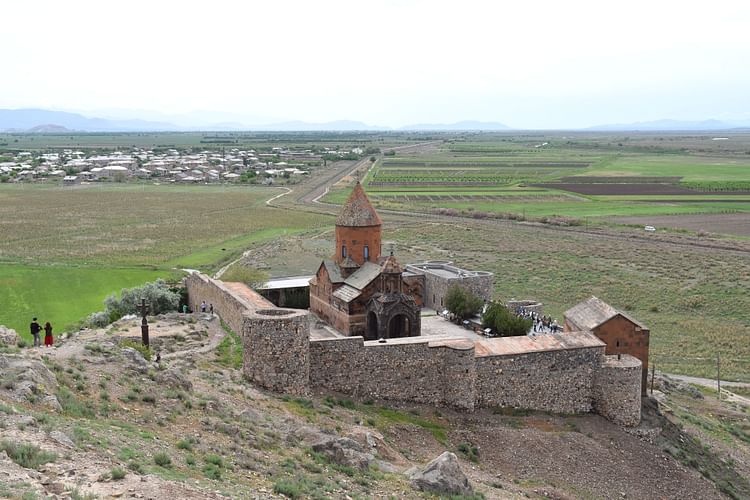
92	418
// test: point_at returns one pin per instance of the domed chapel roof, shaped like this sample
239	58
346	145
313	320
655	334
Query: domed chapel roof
358	211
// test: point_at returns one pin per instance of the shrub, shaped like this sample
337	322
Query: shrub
162	460
145	351
117	473
289	488
212	471
136	467
461	302
184	444
27	455
159	297
503	322
470	451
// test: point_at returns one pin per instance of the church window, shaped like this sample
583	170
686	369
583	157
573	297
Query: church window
367	252
343	250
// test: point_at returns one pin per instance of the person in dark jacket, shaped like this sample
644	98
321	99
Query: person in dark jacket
35	329
48	340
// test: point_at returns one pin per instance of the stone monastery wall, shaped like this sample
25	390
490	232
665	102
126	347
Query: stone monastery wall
422	372
227	305
279	355
559	381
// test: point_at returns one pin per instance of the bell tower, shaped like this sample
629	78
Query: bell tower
358	229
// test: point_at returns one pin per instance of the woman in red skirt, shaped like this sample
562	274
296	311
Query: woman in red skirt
48	340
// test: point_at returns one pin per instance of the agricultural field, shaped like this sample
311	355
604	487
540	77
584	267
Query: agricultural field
65	249
582	178
111	141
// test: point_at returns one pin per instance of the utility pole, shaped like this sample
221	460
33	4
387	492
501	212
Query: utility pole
718	375
653	373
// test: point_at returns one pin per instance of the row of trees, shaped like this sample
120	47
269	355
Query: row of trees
464	304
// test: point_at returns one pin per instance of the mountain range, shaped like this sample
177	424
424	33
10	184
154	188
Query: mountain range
47	121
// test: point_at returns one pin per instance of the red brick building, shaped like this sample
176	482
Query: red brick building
358	292
621	333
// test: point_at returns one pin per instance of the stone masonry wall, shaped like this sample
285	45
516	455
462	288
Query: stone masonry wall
226	304
559	381
276	349
617	390
441	374
436	288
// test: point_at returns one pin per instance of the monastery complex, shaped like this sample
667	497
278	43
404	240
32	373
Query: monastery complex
374	305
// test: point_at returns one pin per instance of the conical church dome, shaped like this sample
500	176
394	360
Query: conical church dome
357	211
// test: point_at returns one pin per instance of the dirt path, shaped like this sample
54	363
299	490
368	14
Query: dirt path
726	394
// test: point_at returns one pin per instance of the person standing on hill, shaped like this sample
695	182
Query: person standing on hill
35	328
48	340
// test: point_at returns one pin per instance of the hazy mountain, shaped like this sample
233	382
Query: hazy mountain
462	125
667	125
25	119
347	125
48	128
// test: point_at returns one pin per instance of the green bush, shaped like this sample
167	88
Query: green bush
162	460
184	444
27	455
159	298
462	303
117	473
145	351
503	322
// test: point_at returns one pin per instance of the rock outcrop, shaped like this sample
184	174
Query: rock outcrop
8	336
443	476
344	451
28	380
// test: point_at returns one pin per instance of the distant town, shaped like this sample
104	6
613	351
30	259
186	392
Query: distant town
70	166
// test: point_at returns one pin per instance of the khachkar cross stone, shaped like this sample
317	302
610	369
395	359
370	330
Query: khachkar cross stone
143	309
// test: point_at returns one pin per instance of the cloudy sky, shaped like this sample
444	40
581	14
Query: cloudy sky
540	64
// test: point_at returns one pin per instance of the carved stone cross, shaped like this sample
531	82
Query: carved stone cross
143	309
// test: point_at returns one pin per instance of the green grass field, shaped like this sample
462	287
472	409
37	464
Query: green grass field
61	295
64	250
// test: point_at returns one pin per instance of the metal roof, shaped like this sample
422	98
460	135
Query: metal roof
288	282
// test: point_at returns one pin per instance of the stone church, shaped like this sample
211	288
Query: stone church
360	292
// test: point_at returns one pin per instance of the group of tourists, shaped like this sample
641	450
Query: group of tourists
36	329
540	323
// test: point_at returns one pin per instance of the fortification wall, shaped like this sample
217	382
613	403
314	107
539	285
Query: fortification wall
440	374
277	349
560	381
617	390
526	305
279	356
229	306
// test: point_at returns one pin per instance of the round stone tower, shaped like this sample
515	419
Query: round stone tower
358	229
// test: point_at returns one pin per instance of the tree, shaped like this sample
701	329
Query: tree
461	302
503	322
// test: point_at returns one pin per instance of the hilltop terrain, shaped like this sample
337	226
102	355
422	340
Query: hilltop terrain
92	418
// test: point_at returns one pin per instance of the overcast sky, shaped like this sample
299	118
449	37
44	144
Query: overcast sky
535	64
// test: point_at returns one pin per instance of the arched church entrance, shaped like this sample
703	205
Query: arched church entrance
372	326
398	326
